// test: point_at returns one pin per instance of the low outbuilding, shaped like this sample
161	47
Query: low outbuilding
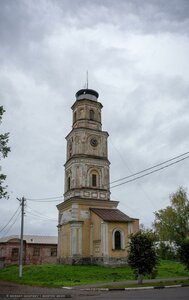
36	249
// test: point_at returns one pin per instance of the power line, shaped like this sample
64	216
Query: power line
49	199
10	219
154	171
40	217
36	213
11	224
39	214
155	166
129	167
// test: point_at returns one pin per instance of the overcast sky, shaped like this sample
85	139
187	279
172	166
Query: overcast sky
137	56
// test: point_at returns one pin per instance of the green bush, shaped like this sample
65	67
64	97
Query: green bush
184	253
166	252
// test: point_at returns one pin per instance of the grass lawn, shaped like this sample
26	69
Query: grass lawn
66	275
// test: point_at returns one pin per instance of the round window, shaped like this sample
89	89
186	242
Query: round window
94	142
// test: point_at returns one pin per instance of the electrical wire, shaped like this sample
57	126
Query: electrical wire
45	199
155	166
33	211
139	185
12	224
10	220
154	171
40	217
49	199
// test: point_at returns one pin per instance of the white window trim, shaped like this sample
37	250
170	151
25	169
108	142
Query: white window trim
122	238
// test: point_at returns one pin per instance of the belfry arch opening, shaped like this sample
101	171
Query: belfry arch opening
91	115
94	180
74	117
68	183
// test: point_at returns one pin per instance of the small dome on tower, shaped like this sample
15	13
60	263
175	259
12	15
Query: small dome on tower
87	94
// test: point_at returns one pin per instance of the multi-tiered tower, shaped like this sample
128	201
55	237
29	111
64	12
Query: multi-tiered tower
87	165
86	214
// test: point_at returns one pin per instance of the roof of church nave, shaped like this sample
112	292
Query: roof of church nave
111	215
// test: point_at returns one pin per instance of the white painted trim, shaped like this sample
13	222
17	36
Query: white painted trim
91	239
102	238
80	239
106	238
130	228
76	239
71	247
122	238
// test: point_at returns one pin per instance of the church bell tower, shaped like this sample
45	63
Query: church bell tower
87	165
90	227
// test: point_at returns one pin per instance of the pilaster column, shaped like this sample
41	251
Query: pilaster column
91	239
76	239
104	238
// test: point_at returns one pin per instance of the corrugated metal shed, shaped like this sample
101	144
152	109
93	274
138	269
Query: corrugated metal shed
111	215
32	239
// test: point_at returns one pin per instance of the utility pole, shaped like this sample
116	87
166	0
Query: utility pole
22	203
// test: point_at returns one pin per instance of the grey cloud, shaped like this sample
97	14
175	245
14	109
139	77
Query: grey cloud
8	92
178	136
151	16
22	21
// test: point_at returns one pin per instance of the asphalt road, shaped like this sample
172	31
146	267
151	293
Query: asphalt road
160	294
15	291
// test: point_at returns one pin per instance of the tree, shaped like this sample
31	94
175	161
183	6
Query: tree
172	223
183	253
167	251
4	149
142	255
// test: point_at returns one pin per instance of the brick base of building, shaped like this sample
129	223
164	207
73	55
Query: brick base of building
101	261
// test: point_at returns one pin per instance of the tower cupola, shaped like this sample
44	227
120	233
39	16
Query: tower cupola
87	94
87	110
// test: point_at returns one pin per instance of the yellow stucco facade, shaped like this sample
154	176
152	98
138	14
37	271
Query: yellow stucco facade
85	237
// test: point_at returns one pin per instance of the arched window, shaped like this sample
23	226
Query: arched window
117	240
74	117
70	149
91	114
94	180
68	183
